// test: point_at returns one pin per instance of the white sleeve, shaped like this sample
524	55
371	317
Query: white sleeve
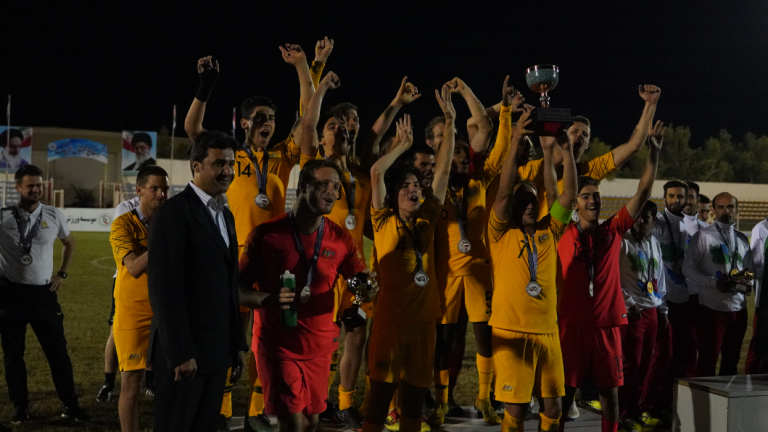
697	249
757	246
662	280
628	300
62	220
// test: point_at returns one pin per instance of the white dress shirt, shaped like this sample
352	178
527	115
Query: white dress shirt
641	262
757	244
673	238
216	210
706	261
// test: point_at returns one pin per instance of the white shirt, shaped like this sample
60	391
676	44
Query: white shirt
706	261
217	215
641	262
126	206
757	244
673	237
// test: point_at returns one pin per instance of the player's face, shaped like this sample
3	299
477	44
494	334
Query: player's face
352	123
584	133
142	148
214	173
644	224
154	191
437	136
528	204
336	137
30	189
725	209
425	164
691	202
409	196
260	127
13	146
704	210
460	161
324	190
675	199
588	203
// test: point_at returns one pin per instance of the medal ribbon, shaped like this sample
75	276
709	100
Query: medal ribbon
730	259
416	246
461	212
25	241
649	270
303	253
533	255
261	171
589	257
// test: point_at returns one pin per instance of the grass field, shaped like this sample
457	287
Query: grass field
85	299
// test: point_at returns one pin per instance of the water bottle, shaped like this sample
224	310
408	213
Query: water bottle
290	316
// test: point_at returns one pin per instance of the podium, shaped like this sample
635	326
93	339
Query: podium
722	404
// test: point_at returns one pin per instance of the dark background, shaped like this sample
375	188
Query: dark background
122	67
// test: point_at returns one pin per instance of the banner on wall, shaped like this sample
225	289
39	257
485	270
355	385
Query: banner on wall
88	219
139	149
15	147
77	148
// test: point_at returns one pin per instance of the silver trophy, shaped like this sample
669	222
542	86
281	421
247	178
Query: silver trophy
542	79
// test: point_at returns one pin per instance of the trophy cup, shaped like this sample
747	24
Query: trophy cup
363	287
542	79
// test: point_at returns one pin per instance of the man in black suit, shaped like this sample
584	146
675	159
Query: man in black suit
192	272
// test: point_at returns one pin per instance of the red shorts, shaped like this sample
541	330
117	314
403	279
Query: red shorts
592	354
293	386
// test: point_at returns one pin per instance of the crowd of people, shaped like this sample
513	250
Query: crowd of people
467	227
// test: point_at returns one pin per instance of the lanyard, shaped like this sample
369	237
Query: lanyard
303	253
730	259
25	237
416	245
261	171
588	254
349	192
533	255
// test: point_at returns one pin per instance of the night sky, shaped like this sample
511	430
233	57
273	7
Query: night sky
92	67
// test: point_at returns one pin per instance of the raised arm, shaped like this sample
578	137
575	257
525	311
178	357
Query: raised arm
208	70
509	169
294	55
403	142
323	50
444	155
650	94
305	134
637	201
570	176
406	94
479	124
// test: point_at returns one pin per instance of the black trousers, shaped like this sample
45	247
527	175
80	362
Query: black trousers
191	404
47	321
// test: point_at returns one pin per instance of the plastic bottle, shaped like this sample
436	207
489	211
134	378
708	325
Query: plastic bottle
290	316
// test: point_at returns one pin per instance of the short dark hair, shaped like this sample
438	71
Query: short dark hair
149	170
27	170
340	109
10	133
208	140
307	174
650	207
421	148
141	137
581	119
693	185
428	133
249	105
585	181
703	199
675	184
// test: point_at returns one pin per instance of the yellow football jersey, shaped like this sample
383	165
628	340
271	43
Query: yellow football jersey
132	309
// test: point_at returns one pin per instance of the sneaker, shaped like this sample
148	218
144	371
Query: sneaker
425	427
646	419
455	410
106	394
484	408
392	422
629	425
437	418
573	411
329	415
259	423
20	416
349	418
595	405
74	413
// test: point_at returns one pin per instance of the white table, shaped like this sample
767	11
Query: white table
737	403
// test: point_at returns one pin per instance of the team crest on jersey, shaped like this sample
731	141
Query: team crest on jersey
543	238
43	224
329	253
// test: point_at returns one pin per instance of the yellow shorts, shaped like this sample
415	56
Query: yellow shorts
527	364
402	352
474	291
344	300
131	346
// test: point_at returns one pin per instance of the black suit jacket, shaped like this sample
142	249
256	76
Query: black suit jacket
193	286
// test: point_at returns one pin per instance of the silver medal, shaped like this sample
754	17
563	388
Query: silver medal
465	246
421	278
533	289
350	222
591	289
305	294
26	259
262	200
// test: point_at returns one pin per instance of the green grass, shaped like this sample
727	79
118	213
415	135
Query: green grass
85	299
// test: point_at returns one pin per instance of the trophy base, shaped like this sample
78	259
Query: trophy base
552	121
353	318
